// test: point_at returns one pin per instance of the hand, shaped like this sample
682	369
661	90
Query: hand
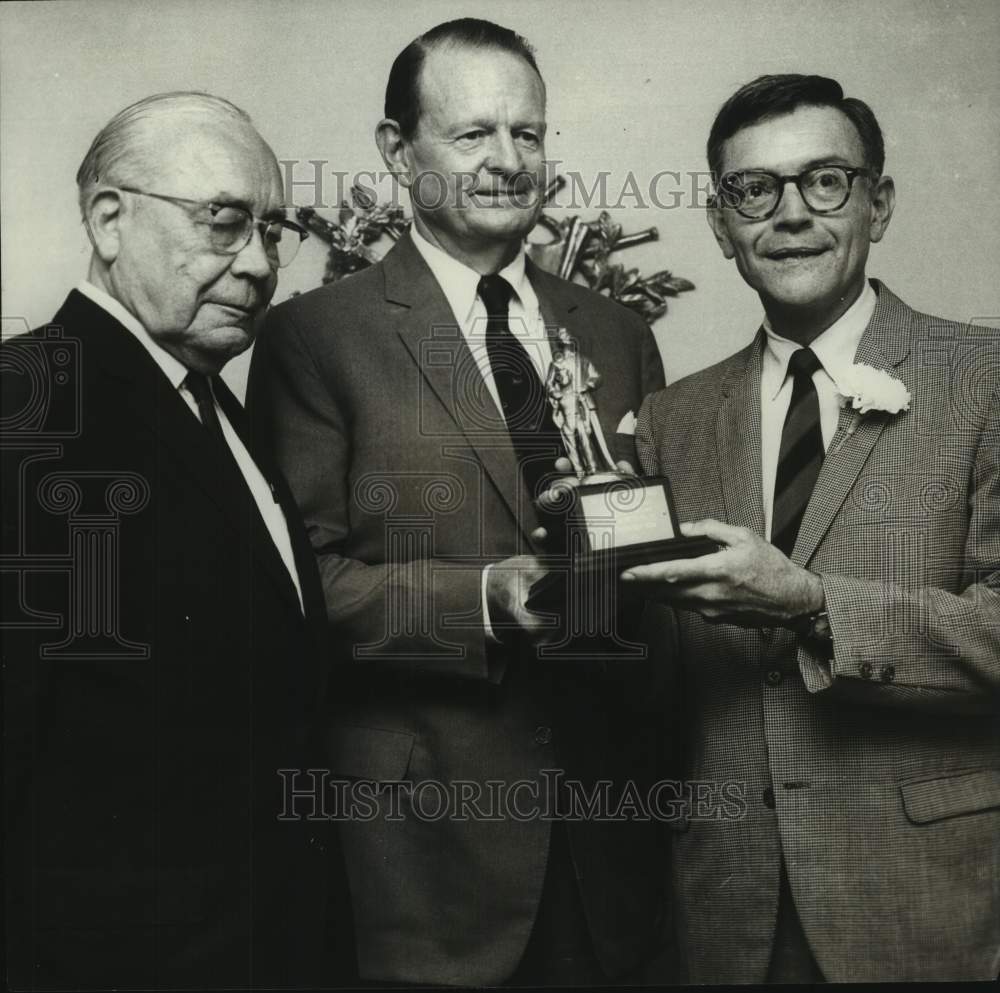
508	585
556	498
749	582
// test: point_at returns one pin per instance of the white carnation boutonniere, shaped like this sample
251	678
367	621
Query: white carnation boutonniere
869	390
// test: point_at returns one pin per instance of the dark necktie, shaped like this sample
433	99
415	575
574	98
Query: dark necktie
801	456
519	387
201	389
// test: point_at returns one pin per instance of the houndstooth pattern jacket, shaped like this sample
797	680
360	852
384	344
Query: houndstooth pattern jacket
872	769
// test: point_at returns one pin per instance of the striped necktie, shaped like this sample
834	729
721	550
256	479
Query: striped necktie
801	456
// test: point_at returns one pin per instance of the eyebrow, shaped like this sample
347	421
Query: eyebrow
822	160
485	124
279	213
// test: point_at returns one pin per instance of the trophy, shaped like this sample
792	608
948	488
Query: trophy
612	520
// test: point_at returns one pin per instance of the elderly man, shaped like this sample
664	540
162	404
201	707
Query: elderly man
406	406
842	648
163	605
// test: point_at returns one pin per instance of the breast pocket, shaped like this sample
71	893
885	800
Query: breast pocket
957	795
377	754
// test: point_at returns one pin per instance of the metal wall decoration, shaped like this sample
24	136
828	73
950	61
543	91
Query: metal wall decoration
571	247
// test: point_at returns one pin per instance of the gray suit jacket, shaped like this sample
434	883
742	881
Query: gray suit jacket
875	772
407	480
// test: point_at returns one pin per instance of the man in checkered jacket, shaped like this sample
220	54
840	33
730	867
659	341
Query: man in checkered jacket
841	651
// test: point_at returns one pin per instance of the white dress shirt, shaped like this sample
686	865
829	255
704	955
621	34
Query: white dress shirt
176	371
459	284
835	348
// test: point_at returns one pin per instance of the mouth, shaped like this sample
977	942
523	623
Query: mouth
520	190
237	308
504	198
794	252
238	312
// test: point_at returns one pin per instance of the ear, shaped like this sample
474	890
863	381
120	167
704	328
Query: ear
392	146
103	221
883	202
717	222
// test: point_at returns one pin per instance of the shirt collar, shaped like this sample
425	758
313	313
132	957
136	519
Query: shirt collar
172	368
459	282
835	347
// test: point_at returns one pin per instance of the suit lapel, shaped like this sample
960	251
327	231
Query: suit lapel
263	544
738	440
426	326
148	395
884	345
557	308
313	600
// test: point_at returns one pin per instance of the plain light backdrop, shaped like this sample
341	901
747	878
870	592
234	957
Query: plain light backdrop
633	86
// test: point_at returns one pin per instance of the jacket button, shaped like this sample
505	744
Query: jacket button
767	797
543	735
774	677
866	670
887	674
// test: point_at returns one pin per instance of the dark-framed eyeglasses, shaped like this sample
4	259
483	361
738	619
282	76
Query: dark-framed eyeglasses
755	194
230	228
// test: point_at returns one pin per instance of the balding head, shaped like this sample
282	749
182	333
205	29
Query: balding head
151	189
123	153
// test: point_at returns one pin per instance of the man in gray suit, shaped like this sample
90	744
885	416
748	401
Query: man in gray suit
842	649
406	406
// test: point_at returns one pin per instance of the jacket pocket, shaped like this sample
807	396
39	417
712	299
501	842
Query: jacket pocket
369	753
927	800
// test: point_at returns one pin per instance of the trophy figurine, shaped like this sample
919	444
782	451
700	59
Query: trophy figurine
613	519
570	386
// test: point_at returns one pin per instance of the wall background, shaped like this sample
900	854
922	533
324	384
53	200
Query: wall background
633	85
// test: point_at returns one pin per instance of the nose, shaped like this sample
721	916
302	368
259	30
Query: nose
504	155
792	210
252	259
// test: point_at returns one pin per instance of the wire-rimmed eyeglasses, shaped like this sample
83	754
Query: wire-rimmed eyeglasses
230	228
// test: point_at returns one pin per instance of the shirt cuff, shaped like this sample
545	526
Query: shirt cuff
487	627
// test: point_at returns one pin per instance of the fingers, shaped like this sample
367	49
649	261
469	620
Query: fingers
624	467
556	496
563	464
701	569
716	530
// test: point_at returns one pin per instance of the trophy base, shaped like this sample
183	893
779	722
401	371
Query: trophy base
630	519
615	523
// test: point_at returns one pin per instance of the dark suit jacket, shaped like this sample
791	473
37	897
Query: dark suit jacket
407	480
159	671
874	772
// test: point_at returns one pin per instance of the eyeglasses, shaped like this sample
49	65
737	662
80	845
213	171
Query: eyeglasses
756	194
230	228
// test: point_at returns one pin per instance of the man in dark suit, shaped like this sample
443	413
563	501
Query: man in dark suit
163	617
406	407
842	650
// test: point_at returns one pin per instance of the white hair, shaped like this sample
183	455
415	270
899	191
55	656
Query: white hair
115	155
